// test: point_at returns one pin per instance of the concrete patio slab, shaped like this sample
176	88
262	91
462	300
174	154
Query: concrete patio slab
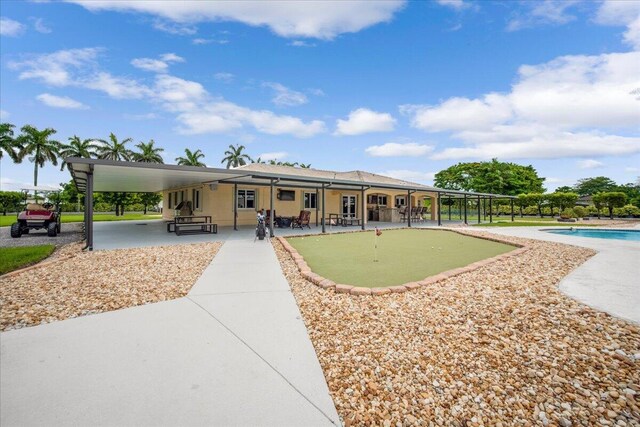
608	281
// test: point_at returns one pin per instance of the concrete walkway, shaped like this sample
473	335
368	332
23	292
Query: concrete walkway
233	352
608	281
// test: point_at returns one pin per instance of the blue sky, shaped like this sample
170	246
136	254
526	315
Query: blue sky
400	88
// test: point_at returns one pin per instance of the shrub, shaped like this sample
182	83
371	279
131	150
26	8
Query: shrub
627	210
567	214
579	212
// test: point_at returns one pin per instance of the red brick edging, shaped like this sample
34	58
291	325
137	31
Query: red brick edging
325	283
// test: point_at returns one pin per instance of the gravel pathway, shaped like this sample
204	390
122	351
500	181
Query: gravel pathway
94	282
499	346
70	232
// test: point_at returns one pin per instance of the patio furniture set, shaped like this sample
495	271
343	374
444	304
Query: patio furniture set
192	224
417	213
300	221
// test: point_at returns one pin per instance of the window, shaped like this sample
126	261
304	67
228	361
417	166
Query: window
401	201
377	199
195	198
310	201
246	199
170	200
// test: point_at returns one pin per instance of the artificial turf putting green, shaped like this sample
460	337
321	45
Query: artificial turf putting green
403	255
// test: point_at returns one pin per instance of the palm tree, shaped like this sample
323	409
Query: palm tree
258	160
305	166
83	148
148	153
191	158
7	143
235	157
114	149
36	144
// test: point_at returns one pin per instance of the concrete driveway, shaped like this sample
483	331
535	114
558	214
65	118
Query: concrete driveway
609	281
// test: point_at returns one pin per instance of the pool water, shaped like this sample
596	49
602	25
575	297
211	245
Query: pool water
600	234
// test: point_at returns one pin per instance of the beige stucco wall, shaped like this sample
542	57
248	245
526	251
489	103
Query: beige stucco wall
218	202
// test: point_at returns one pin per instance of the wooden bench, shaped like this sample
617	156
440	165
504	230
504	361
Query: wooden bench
350	221
195	228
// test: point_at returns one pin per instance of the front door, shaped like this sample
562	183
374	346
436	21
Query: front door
349	206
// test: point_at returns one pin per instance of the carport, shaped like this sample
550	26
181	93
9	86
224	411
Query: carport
97	175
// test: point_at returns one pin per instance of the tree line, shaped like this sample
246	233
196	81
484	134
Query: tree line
524	182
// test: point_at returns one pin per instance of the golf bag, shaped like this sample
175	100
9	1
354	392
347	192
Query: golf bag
261	230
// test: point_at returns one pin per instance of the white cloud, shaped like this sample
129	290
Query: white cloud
454	4
60	102
11	28
631	169
589	164
201	41
171	57
410	175
224	77
196	110
461	113
116	87
622	13
313	19
174	28
277	155
547	12
566	107
40	26
364	120
285	97
148	64
301	43
156	65
542	144
394	149
56	68
4	115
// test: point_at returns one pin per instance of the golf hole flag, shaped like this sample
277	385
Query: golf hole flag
375	245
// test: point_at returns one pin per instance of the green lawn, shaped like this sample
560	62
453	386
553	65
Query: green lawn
22	256
403	255
10	219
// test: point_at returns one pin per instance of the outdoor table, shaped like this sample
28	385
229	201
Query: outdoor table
337	217
283	221
195	219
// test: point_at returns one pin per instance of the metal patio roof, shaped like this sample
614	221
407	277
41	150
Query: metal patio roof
109	175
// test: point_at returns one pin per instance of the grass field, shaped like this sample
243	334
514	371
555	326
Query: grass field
403	255
10	219
15	258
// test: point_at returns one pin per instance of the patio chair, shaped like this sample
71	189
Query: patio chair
403	213
302	220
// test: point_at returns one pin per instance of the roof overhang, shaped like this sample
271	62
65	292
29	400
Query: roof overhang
137	177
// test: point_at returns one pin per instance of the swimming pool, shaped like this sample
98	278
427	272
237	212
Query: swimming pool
600	234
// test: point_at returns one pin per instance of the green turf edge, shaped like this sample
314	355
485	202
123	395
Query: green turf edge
326	255
22	256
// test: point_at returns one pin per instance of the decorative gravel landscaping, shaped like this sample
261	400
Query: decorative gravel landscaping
81	283
497	346
401	256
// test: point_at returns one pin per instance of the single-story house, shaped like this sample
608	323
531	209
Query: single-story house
231	197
